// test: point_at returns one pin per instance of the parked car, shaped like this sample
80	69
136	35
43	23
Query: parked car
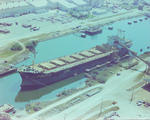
139	103
36	28
9	24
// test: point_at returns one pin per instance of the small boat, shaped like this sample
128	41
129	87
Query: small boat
146	18
83	35
129	23
141	19
110	27
6	108
135	21
147	47
141	50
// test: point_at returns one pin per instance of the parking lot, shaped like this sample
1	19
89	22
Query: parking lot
47	22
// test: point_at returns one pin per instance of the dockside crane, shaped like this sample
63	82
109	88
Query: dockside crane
133	53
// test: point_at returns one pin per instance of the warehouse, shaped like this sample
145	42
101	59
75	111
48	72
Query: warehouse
40	6
63	5
82	6
15	9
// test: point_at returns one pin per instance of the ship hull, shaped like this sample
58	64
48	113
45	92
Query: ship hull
43	79
93	32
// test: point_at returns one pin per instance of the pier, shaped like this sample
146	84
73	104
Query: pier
7	71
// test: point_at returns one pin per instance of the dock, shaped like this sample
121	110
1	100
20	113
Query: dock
6	108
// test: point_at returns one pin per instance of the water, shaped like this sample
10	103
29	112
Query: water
10	85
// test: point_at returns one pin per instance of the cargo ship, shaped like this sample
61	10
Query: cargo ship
58	69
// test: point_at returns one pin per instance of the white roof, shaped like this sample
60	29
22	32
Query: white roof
12	5
38	3
65	3
148	1
79	2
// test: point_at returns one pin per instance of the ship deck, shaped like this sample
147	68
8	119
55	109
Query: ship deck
70	61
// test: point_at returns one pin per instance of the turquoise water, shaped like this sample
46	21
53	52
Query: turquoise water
47	50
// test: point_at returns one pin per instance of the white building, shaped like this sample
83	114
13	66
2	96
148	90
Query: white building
95	3
14	9
40	6
63	5
82	5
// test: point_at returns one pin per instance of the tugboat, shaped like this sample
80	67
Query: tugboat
141	19
83	35
110	27
94	30
129	23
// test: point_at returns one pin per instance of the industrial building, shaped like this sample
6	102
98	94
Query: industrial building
62	5
40	6
15	9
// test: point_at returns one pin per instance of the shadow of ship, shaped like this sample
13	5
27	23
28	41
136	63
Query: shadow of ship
36	92
147	87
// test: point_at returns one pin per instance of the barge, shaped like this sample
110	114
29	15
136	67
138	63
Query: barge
58	69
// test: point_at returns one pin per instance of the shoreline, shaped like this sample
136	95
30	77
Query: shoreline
53	35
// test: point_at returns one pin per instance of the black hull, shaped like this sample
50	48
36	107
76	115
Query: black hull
43	79
90	32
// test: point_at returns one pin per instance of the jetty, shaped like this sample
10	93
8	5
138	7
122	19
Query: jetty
7	71
6	108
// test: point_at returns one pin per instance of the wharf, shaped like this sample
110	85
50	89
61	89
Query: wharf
7	71
6	108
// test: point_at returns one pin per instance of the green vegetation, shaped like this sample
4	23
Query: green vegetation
115	108
16	47
80	15
102	80
65	93
31	44
33	107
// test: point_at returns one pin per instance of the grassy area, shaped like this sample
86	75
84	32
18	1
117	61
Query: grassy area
6	53
139	77
115	108
109	16
16	47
